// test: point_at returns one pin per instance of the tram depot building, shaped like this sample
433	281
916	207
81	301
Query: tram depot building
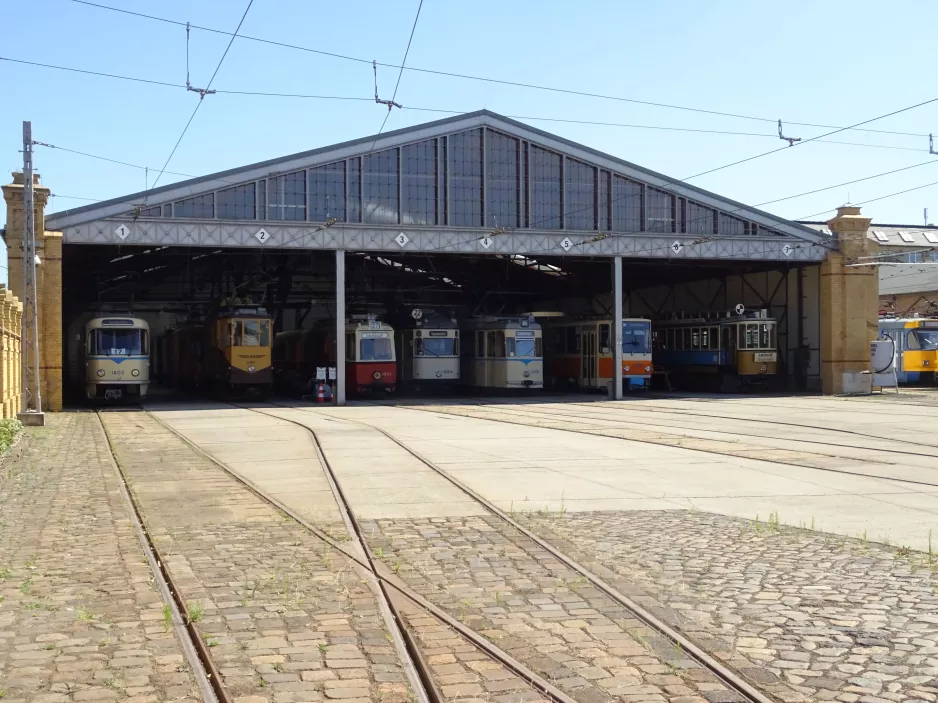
476	214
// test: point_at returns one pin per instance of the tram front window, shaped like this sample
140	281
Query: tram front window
524	347
375	349
636	337
435	347
252	333
927	340
131	342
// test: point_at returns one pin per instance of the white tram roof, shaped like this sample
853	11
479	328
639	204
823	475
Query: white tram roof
117	322
359	324
502	323
903	321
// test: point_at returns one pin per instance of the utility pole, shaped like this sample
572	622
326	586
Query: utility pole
31	405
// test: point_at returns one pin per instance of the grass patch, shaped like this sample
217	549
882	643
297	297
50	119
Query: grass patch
9	431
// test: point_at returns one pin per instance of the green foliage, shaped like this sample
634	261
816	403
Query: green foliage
9	429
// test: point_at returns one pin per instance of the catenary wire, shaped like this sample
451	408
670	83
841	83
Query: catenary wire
201	100
873	200
515	84
461	112
399	75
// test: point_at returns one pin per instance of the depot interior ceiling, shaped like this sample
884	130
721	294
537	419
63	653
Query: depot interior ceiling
191	280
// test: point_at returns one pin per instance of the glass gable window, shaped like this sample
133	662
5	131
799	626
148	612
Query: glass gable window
355	190
465	178
700	219
419	188
381	187
733	225
660	210
546	188
286	197
627	214
199	206
581	195
237	203
605	201
155	211
327	192
502	181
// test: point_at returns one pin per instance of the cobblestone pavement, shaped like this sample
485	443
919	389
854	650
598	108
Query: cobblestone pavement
519	597
80	617
835	618
286	617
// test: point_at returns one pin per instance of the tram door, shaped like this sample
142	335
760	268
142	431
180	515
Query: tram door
588	372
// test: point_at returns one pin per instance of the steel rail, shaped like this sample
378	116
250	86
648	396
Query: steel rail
721	671
534	680
193	645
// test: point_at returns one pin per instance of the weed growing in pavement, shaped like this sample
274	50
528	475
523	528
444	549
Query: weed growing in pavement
167	617
6	573
84	613
26	585
196	610
48	646
774	522
757	525
3	693
261	683
396	566
211	641
904	552
931	553
379	552
32	606
865	541
112	682
243	645
322	646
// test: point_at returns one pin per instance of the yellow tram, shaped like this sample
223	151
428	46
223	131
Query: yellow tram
117	358
237	351
916	342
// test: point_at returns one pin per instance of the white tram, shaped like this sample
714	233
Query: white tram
428	351
502	352
117	358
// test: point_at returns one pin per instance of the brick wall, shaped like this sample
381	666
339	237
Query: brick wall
11	319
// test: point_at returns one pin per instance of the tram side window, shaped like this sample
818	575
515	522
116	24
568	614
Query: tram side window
726	337
764	336
685	333
490	343
911	340
605	345
350	346
704	338
695	338
499	344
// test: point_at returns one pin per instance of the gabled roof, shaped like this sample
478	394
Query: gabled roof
450	125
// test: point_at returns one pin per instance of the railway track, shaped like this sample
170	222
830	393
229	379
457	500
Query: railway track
396	595
191	640
599	433
730	678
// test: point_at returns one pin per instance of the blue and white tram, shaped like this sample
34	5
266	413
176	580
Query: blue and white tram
503	352
117	358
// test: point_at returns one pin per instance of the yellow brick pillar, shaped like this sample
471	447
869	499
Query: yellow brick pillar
49	283
849	300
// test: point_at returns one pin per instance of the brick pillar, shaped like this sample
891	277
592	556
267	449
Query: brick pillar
49	282
48	285
13	195
849	300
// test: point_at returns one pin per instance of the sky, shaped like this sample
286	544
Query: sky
836	63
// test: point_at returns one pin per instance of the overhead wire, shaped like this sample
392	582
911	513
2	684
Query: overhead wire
201	100
598	123
516	84
400	73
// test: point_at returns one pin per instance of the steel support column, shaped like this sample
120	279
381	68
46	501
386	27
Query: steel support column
340	326
617	328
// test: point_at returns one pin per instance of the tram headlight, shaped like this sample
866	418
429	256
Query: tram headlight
135	372
647	369
526	374
100	372
627	367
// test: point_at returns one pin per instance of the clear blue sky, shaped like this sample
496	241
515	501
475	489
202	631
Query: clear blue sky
835	62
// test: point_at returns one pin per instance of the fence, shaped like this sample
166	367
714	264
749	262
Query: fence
11	320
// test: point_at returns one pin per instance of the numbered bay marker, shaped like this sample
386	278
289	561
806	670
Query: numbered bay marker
262	235
566	244
788	249
677	247
402	240
486	242
123	232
